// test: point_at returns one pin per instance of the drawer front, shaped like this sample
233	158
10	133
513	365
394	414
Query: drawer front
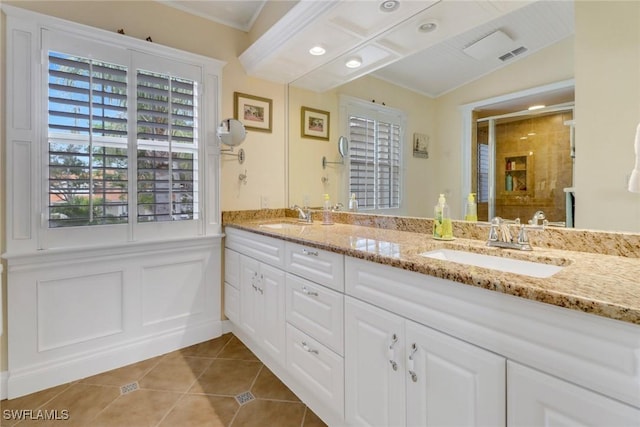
317	265
232	268
232	303
316	367
266	249
316	310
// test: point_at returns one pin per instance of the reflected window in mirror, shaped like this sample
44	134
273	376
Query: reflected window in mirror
375	155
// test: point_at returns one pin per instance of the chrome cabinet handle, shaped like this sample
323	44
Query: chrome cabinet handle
308	292
310	253
259	287
411	364
392	352
308	349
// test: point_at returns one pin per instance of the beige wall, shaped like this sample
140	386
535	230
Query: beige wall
171	27
607	113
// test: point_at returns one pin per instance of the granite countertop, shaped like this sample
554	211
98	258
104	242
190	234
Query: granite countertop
603	285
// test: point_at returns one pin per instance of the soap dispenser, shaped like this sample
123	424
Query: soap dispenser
442	228
472	208
353	203
326	211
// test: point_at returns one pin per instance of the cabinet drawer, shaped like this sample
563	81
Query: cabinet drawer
316	310
232	303
232	268
319	369
317	265
262	248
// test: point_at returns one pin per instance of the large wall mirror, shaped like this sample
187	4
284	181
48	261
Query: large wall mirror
589	82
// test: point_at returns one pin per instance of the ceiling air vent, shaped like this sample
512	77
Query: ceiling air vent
513	53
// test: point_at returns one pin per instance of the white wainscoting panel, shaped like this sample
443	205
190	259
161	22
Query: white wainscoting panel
172	291
76	313
95	299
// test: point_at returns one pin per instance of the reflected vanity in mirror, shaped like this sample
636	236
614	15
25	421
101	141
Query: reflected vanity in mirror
232	133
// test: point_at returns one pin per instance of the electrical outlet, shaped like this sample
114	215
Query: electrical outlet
264	202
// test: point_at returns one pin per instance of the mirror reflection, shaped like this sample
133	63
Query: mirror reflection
520	177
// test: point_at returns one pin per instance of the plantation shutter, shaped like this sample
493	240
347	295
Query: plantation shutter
87	139
483	173
375	160
167	148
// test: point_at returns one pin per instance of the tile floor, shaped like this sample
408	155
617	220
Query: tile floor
198	386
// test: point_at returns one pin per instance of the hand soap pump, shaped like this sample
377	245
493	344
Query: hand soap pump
326	211
472	208
442	228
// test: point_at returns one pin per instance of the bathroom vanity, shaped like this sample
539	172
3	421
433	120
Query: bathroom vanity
369	331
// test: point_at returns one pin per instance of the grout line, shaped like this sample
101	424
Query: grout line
304	416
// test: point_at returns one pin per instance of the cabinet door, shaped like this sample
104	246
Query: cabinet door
538	399
249	276
271	311
374	387
451	382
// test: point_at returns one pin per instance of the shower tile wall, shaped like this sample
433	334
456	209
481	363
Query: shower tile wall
549	166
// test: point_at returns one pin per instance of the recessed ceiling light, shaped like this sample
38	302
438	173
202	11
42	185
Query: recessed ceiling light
389	5
317	50
353	62
536	107
428	26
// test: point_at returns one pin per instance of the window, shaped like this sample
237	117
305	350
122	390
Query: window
375	156
87	136
167	150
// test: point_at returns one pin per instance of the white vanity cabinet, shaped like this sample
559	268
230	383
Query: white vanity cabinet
538	399
399	372
262	311
255	262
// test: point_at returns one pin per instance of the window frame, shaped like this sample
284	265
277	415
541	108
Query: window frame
355	106
27	134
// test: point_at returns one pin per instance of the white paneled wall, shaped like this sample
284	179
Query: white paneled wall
77	313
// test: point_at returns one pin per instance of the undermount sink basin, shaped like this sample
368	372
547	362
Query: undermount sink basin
281	225
517	266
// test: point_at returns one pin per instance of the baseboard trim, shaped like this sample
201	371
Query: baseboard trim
227	326
35	378
4	376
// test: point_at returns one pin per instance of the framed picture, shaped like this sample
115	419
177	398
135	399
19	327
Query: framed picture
315	123
253	111
421	145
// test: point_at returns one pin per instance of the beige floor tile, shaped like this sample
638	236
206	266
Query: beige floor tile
25	403
82	401
236	350
227	377
312	420
261	413
202	411
175	373
268	386
209	348
140	408
125	375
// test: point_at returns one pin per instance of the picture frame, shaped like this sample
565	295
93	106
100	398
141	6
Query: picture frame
421	145
315	124
254	112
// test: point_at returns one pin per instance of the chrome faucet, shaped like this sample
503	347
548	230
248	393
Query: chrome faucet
304	214
537	217
500	235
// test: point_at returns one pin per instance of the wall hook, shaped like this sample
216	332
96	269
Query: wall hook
243	177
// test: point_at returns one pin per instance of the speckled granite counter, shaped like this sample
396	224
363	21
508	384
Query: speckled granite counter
603	285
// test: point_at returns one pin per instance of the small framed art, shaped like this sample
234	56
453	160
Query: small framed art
253	111
315	123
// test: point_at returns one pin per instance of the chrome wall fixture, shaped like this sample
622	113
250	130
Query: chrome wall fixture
232	133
